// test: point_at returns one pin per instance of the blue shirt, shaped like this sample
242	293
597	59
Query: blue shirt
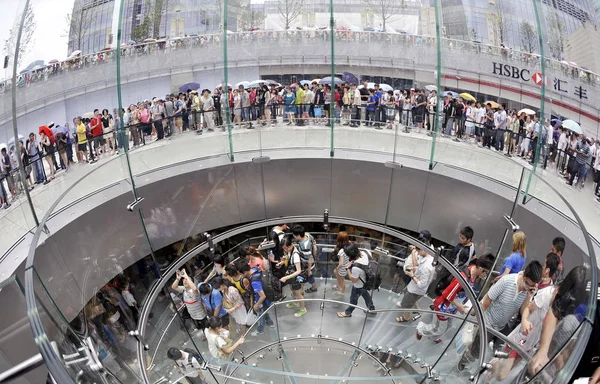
257	286
514	263
372	104
214	300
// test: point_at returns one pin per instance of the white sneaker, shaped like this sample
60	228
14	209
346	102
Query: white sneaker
399	304
255	333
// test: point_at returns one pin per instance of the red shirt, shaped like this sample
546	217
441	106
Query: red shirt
96	126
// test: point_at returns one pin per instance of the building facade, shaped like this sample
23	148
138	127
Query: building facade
513	22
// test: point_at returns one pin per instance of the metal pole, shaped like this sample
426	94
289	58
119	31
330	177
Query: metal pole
332	101
22	368
438	81
14	113
225	80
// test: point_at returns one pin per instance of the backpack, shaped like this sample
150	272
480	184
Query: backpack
271	285
372	272
193	354
144	116
311	251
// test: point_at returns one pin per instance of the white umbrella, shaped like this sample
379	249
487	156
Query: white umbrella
3	146
243	83
383	87
223	85
74	54
11	141
572	126
527	111
431	88
256	83
150	41
88	115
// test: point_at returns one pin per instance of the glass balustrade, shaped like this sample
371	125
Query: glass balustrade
140	195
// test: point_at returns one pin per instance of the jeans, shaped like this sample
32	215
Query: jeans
266	319
578	169
449	125
356	293
3	191
499	145
38	170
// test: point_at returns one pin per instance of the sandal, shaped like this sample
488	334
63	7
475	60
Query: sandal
402	320
335	287
343	314
311	290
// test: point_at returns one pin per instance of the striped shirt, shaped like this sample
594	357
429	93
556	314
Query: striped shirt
192	303
506	301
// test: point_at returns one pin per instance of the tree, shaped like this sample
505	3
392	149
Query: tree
289	11
143	31
386	10
27	40
234	7
250	18
498	11
528	37
77	26
556	36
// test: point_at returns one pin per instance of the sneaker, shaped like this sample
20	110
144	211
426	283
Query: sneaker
300	313
256	333
292	305
437	341
462	363
272	326
418	335
311	290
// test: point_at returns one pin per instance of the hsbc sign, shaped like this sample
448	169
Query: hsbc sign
511	71
517	73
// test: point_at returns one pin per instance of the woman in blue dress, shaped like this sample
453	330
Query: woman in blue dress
289	99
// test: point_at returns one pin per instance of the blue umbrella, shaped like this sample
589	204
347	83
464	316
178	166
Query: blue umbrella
354	28
557	122
369	29
327	80
451	93
349	78
304	82
192	86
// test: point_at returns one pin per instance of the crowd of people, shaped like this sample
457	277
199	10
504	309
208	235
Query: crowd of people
56	148
221	304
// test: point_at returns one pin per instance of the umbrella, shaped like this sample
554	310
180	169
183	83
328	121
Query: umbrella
256	83
11	141
222	85
557	122
354	28
47	131
3	145
149	40
244	83
88	115
131	42
186	86
342	28
349	78
293	85
35	68
467	96
53	61
572	126
527	111
431	88
494	104
318	81
451	93
75	54
270	82
327	80
304	82
385	87
369	29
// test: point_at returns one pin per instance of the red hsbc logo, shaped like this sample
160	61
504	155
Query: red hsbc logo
537	78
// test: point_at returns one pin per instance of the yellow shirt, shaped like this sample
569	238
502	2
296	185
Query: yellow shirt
81	134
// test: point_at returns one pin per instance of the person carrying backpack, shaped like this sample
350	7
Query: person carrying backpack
420	278
308	251
297	274
360	270
260	301
189	363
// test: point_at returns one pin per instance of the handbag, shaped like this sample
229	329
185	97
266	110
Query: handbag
251	317
466	337
318	112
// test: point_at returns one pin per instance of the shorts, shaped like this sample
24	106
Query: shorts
82	147
297	284
99	140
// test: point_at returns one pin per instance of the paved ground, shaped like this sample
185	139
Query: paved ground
17	219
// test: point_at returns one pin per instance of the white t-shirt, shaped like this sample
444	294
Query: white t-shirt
562	142
549	133
359	273
193	304
207	104
424	273
216	342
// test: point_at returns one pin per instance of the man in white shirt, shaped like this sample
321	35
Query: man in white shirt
420	278
500	119
189	364
359	261
479	117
